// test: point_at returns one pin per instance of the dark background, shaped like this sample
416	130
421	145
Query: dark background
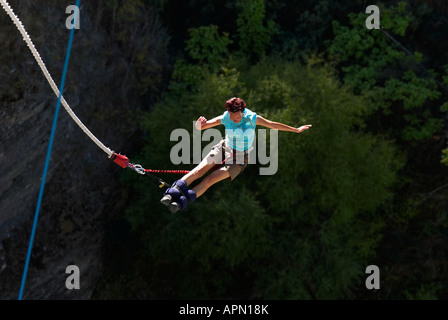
366	185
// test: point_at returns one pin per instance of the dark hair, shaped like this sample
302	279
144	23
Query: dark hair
235	105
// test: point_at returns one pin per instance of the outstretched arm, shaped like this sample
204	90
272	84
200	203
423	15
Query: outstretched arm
202	123
280	126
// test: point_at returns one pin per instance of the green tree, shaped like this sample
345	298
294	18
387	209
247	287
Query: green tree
214	238
305	232
408	104
208	51
207	46
332	185
374	63
254	36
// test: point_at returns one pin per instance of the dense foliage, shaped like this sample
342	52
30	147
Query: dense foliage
365	185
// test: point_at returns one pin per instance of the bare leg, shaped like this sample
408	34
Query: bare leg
202	168
210	180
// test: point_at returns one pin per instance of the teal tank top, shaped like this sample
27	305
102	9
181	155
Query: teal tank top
240	136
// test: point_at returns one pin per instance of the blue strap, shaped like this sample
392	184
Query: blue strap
47	160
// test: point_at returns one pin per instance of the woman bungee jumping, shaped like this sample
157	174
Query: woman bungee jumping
230	154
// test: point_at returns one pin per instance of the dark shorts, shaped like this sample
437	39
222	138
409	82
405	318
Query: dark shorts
235	161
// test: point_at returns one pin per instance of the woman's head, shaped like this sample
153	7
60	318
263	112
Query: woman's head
235	105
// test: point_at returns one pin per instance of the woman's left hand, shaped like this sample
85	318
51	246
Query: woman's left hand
303	128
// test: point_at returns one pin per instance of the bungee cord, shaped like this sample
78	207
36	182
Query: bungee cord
119	159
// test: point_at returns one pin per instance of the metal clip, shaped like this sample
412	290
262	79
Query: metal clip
139	169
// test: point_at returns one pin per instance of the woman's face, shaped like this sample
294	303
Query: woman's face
236	116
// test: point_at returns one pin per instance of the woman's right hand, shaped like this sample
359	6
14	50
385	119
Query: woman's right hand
200	122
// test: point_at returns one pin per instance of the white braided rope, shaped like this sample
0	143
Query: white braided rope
47	75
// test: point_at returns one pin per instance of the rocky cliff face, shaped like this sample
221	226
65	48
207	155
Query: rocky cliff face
82	190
